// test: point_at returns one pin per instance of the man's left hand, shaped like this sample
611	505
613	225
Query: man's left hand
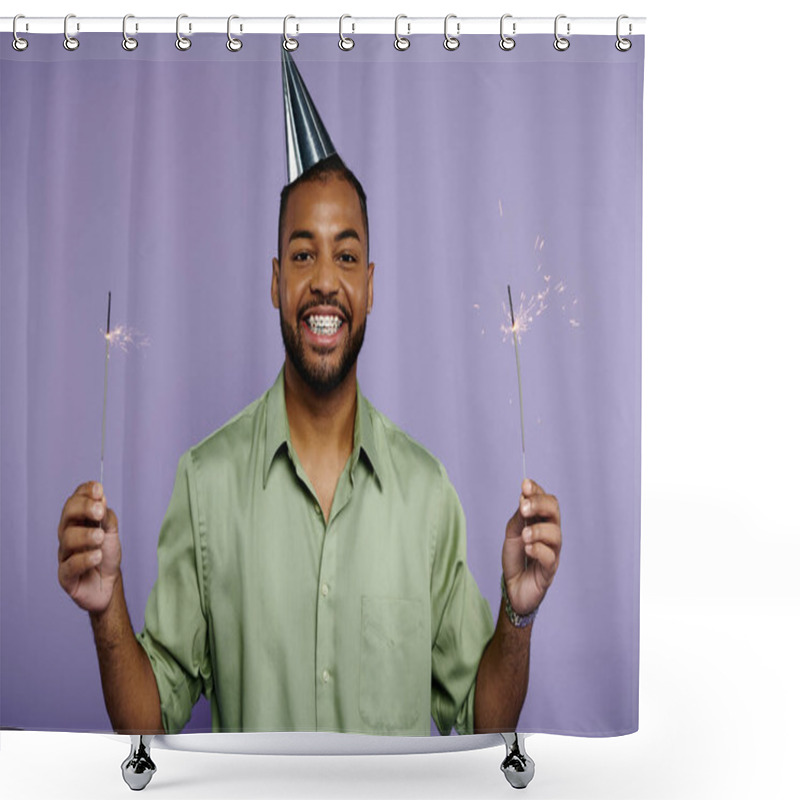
534	532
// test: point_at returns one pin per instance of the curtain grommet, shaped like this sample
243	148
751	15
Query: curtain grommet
289	43
71	43
401	43
561	43
233	44
345	43
451	42
18	43
129	43
623	45
181	41
507	42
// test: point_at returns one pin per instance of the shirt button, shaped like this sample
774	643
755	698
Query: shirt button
326	676
324	589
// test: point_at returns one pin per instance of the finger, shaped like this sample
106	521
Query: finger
547	558
76	565
541	506
531	488
91	490
79	509
77	539
546	533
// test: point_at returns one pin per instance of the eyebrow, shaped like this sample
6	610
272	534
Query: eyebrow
348	233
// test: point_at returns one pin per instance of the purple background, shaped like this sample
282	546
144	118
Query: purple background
155	174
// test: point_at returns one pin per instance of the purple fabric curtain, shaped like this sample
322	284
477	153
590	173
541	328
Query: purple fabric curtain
155	175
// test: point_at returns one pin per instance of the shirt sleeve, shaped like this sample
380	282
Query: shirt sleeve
175	631
462	621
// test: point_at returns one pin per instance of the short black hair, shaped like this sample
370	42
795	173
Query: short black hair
330	167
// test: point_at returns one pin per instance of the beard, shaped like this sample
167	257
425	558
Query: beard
323	375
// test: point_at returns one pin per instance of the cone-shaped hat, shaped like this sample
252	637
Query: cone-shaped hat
307	141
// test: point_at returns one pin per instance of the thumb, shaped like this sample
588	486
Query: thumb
110	523
515	525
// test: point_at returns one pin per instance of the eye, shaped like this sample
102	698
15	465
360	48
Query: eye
348	258
301	256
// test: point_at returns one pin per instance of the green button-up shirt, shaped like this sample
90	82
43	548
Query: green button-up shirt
365	624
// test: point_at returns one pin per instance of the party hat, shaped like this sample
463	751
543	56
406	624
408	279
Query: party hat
307	141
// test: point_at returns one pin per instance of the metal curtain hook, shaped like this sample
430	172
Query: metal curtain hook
623	45
233	44
451	42
288	42
128	42
18	43
181	42
400	42
507	42
344	42
70	42
560	43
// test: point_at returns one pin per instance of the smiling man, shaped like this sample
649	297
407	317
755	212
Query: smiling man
312	561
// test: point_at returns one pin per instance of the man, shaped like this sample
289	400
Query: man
312	565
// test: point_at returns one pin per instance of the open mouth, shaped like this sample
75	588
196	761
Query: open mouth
323	324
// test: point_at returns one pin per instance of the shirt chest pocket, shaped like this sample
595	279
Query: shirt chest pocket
394	677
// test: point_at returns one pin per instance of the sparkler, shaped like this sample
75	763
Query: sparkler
105	387
514	331
123	337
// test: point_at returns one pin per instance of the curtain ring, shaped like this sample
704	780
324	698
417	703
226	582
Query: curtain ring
288	42
233	44
400	42
70	42
623	45
181	42
344	42
560	44
507	42
18	43
129	43
451	42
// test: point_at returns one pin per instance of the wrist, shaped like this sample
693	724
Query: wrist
514	617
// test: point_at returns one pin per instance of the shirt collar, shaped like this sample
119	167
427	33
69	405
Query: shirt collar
277	424
364	436
277	435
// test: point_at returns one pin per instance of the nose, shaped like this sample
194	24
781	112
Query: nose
325	277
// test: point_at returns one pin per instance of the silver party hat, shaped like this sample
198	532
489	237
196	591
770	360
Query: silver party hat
307	141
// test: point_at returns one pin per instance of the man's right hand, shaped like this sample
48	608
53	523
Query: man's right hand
88	556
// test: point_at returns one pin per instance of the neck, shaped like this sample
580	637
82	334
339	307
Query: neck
320	424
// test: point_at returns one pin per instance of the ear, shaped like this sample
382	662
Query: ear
274	291
370	271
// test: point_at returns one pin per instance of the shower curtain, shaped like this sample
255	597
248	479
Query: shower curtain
155	175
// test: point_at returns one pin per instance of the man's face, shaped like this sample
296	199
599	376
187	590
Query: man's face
323	283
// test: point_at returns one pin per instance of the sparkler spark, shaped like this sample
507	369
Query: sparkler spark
125	337
528	309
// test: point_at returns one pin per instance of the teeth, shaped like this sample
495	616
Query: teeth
324	324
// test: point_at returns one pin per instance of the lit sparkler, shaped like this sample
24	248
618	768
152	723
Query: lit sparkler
105	387
515	330
123	337
550	291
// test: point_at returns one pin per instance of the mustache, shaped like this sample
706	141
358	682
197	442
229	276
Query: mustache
331	301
